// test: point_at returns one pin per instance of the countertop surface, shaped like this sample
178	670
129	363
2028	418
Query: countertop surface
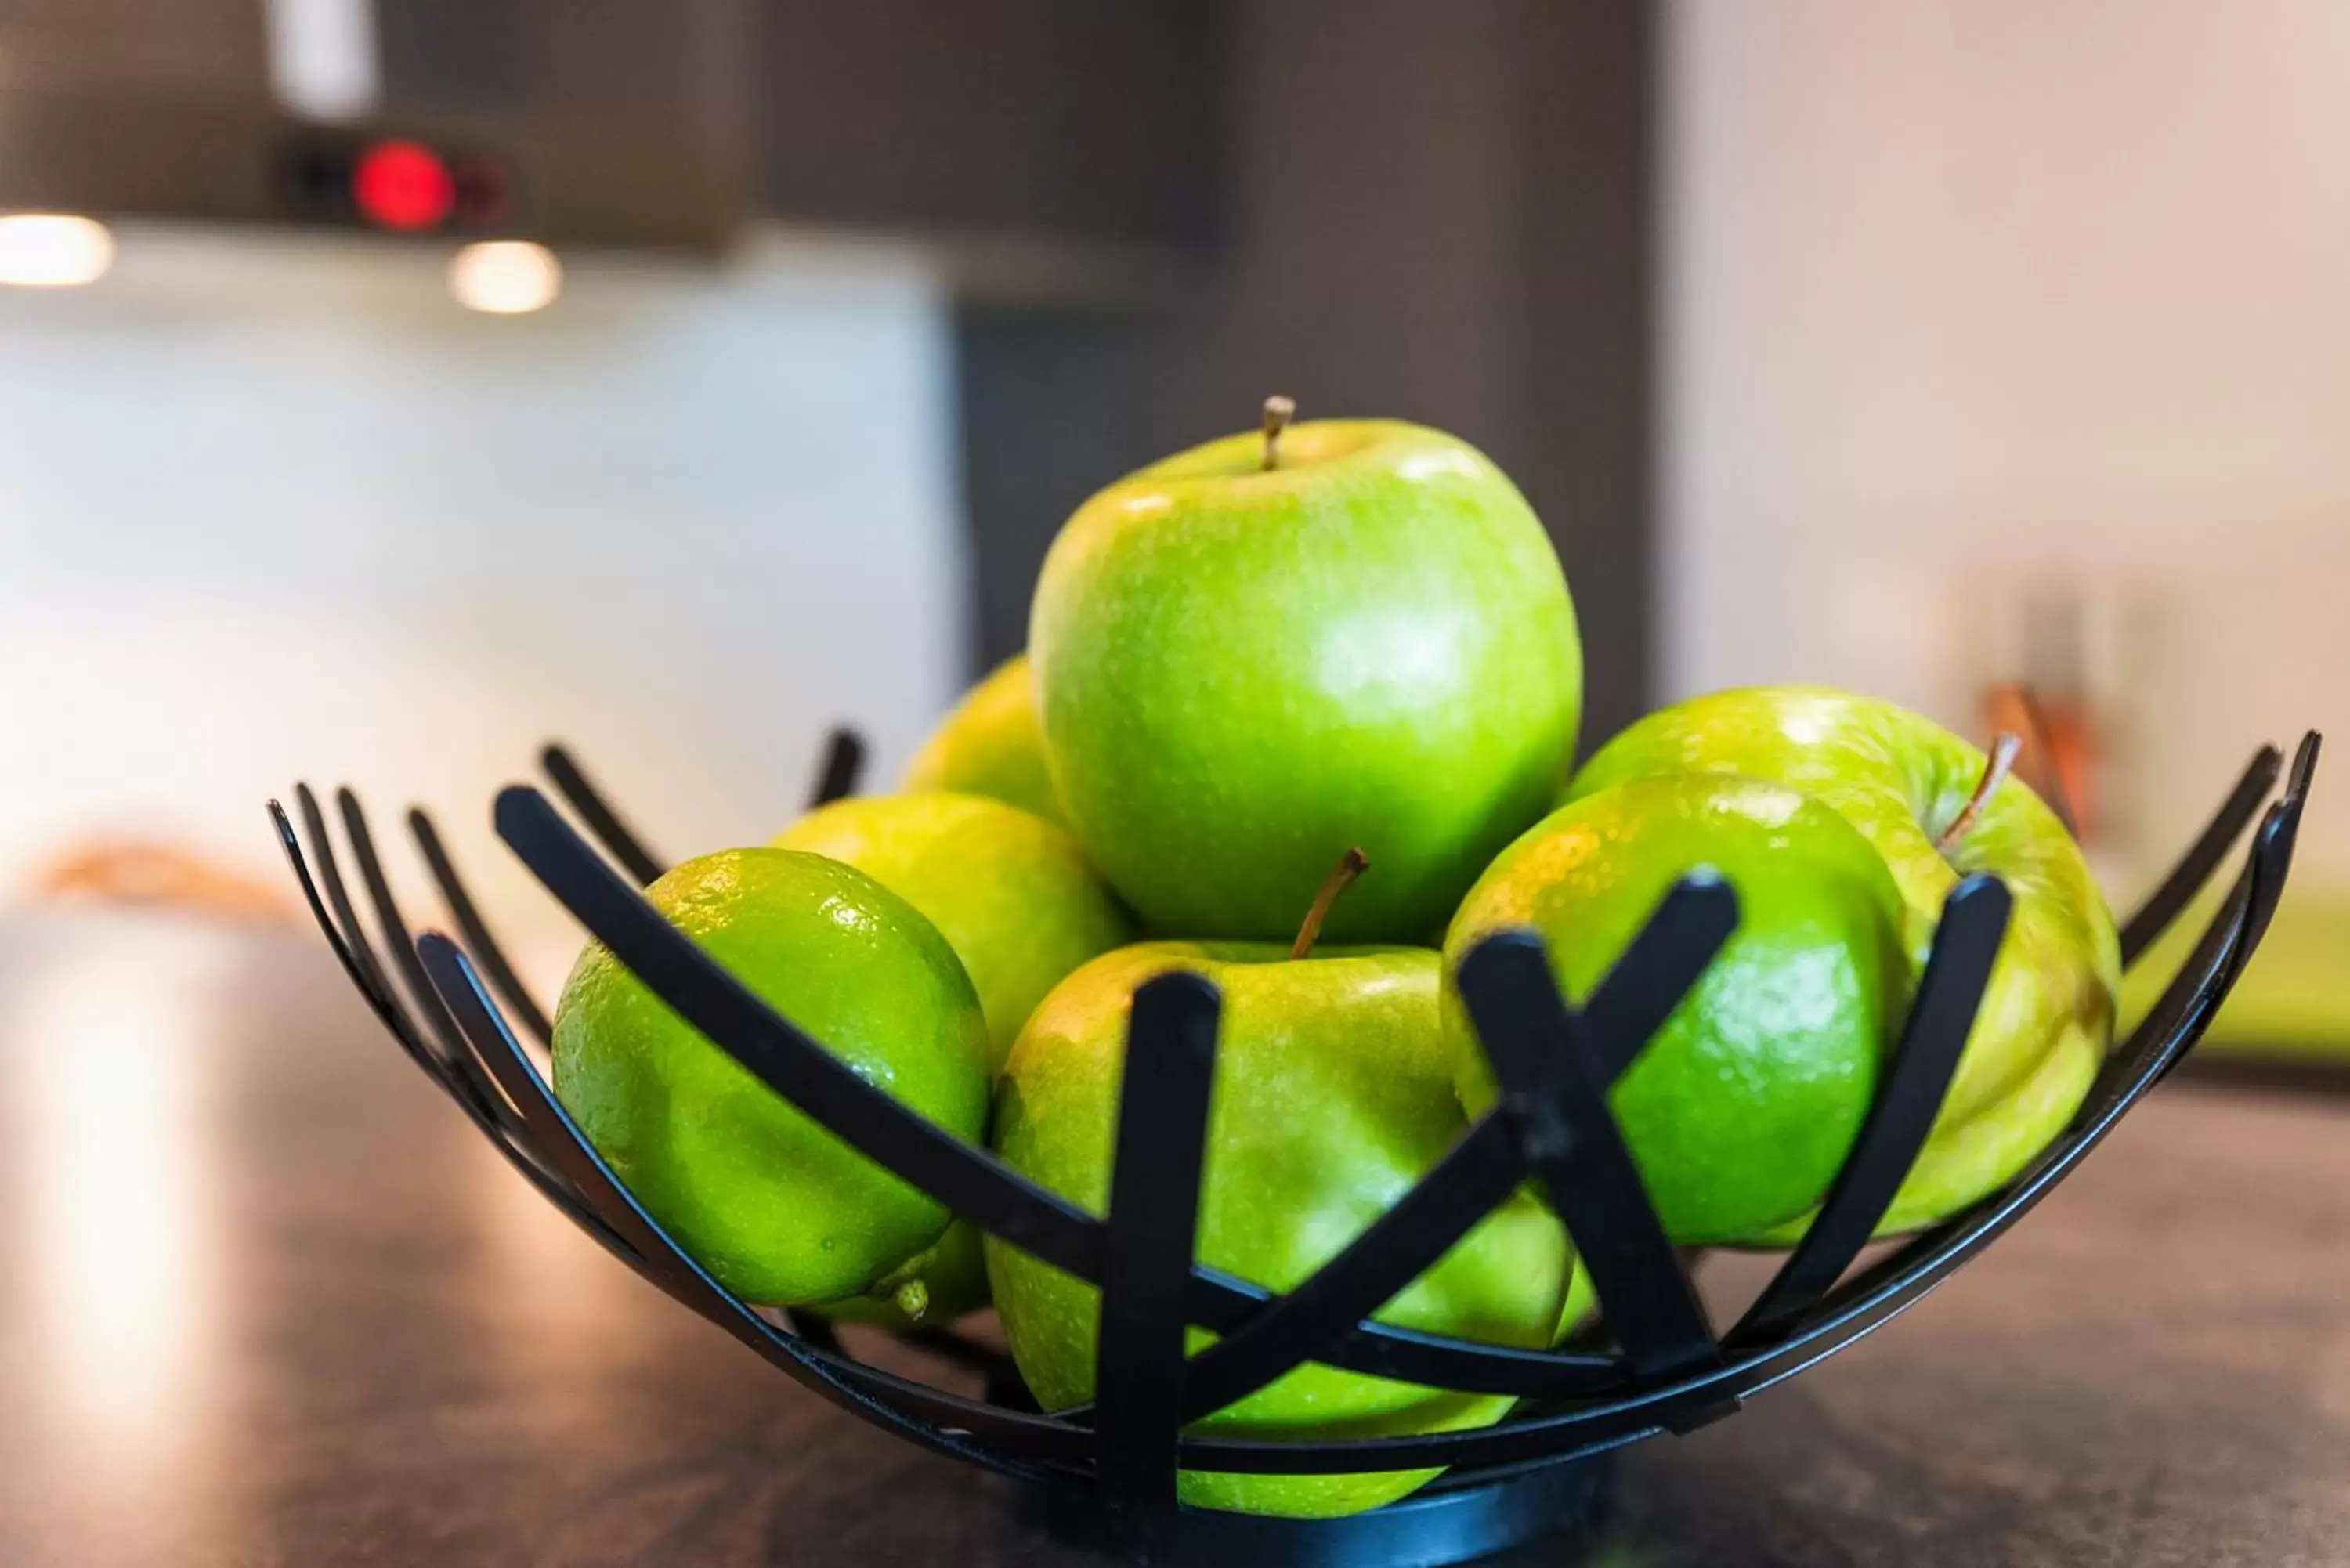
263	1299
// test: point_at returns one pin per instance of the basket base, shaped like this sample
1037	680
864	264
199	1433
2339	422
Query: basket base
1426	1531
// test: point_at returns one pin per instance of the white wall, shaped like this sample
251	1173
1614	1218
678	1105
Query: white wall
1965	293
277	509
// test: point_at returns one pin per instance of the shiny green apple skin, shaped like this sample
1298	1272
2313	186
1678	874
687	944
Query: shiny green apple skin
2048	1015
1744	1104
1243	673
992	744
778	1210
1011	892
1332	1096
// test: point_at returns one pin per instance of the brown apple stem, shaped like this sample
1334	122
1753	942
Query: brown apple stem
1994	773
1278	411
1351	865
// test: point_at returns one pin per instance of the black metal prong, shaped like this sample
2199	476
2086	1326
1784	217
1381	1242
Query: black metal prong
2200	988
1639	993
349	941
1557	1101
484	947
356	952
460	989
583	797
2177	890
395	1023
613	1227
2256	895
452	975
1474	1175
394	925
453	1054
1154	1211
604	1200
1941	1015
1657	968
2304	772
2196	987
496	1125
361	980
844	764
2285	822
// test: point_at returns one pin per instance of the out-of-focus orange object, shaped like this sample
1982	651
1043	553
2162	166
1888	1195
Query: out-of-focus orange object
138	872
2060	753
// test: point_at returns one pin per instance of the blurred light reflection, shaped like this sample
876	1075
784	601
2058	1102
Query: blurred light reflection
505	278
52	250
114	1183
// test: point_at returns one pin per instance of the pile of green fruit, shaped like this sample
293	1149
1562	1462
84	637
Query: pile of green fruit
1344	644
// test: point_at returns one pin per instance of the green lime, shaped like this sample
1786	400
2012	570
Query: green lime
777	1208
1740	1110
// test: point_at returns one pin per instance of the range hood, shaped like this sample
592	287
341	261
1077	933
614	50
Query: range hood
615	124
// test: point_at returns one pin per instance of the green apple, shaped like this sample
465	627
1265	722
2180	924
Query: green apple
1903	781
1332	1096
1744	1104
1011	892
1259	652
992	744
778	1210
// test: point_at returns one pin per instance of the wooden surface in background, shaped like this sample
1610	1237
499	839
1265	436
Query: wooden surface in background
264	1299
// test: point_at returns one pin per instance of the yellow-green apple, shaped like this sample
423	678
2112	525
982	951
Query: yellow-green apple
991	744
1333	1095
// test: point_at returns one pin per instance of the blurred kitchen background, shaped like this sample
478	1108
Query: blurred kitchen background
399	383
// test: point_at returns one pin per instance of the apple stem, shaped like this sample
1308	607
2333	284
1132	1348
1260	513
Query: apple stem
1994	773
1278	411
1351	865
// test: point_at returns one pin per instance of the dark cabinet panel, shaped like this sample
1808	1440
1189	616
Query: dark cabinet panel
1440	213
181	48
1031	118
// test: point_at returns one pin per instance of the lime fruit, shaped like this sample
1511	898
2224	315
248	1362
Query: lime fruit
1744	1104
778	1210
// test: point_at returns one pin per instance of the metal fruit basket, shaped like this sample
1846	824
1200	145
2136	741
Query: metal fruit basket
1106	1472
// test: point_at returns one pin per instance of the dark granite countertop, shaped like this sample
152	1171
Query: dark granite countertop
263	1299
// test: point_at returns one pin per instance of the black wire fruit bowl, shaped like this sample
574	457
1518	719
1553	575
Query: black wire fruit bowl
1106	1472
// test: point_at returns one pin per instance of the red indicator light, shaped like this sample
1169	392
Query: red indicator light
403	185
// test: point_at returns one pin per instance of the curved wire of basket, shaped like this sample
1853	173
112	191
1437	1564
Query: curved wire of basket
1660	1366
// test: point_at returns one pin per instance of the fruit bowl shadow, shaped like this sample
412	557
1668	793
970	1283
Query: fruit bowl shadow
1106	1473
